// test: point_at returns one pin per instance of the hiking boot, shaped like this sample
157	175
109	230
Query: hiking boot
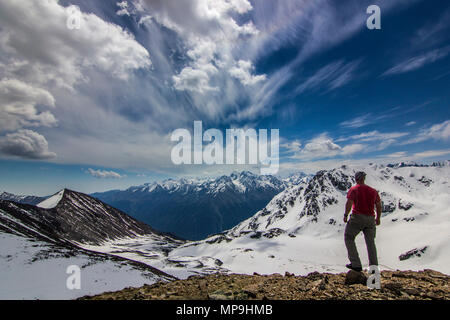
349	266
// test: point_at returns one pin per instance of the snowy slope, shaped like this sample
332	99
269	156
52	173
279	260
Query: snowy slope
33	269
52	201
38	244
301	229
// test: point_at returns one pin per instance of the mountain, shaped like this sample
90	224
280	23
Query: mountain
74	217
194	209
40	242
301	229
21	199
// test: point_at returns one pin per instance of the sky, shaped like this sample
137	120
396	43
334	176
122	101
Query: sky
89	99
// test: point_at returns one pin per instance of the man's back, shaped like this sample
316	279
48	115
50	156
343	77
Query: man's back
364	199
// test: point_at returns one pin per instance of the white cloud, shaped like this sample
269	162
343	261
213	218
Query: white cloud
398	154
197	80
41	59
123	8
103	174
323	146
44	50
330	77
384	140
25	144
242	72
292	146
18	106
374	136
440	131
431	153
358	122
209	32
418	62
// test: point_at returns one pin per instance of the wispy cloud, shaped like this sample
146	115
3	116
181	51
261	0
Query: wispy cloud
330	77
440	131
371	118
431	153
374	136
418	62
358	122
103	174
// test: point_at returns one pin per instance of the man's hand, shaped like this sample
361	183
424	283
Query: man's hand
379	211
348	208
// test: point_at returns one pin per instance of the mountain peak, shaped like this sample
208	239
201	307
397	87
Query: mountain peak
53	201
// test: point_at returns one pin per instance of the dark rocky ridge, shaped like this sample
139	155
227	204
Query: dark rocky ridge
77	217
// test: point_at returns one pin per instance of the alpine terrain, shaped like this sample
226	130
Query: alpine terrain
194	209
40	242
301	229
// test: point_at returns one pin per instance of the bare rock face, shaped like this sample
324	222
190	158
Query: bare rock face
355	277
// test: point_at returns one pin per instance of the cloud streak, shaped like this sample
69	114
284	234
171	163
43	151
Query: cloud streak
104	174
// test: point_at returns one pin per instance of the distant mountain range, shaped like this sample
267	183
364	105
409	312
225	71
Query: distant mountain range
193	209
21	199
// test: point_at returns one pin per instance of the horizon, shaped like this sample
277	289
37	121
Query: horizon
209	178
90	98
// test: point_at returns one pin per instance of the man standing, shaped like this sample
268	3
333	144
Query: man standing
362	199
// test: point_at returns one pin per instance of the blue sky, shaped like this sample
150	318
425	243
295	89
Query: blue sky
93	108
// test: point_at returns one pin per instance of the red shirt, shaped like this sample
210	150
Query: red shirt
364	199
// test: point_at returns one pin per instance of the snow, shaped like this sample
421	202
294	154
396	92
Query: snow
319	246
274	240
152	250
305	246
52	201
32	269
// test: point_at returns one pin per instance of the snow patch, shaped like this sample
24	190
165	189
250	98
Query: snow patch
52	201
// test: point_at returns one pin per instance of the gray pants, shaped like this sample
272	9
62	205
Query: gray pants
356	224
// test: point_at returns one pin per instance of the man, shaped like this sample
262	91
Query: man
362	199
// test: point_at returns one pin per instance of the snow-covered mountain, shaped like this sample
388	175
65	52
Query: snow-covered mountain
301	230
21	198
40	242
195	208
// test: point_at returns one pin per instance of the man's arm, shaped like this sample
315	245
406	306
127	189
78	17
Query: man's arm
348	208
378	206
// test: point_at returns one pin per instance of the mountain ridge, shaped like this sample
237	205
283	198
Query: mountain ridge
195	208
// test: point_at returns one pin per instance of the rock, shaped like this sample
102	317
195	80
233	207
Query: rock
397	285
416	252
412	291
288	274
219	295
355	277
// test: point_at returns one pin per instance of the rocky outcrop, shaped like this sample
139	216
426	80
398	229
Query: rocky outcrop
395	285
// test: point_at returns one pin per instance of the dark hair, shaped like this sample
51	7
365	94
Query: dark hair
360	175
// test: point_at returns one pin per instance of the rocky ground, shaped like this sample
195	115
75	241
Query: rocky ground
395	285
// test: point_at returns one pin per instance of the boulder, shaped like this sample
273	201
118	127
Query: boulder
355	277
